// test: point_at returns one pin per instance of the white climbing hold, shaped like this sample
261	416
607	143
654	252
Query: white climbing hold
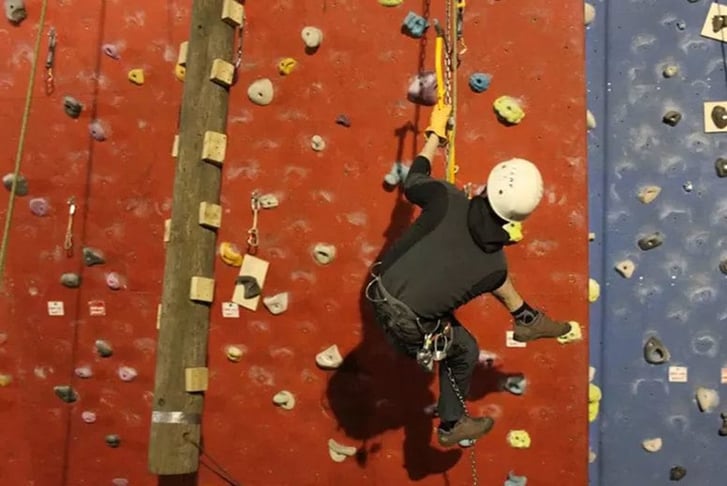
330	358
707	399
590	120
652	445
626	268
83	372
276	304
647	194
589	13
591	373
312	37
594	290
15	11
324	253
261	92
88	417
317	143
268	201
339	452
234	353
591	456
127	373
284	399
591	236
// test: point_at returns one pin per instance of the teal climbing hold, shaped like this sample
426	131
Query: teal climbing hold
513	480
479	82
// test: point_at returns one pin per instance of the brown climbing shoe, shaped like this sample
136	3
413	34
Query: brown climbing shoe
542	327
466	428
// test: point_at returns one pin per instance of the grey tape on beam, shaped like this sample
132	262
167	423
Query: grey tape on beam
175	418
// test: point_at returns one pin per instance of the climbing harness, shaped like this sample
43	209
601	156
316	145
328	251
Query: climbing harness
447	59
435	348
68	242
21	141
253	239
49	62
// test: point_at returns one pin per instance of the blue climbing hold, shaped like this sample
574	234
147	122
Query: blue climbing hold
479	82
513	480
414	25
516	384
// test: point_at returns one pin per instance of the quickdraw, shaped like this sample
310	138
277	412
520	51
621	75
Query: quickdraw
253	238
50	61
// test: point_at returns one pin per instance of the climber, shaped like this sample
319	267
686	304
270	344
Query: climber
452	253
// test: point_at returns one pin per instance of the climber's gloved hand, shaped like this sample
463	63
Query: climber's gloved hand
438	123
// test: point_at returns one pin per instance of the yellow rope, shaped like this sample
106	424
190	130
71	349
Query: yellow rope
21	142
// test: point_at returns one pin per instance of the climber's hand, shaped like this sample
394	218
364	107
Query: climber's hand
438	122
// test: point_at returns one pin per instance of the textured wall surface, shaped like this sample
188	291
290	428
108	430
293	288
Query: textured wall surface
676	292
122	186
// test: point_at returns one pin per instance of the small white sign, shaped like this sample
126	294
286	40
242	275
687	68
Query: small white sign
724	375
230	310
510	341
55	308
678	374
96	308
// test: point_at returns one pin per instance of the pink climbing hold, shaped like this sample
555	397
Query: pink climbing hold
84	372
88	417
423	89
38	206
127	373
120	482
97	131
115	281
111	50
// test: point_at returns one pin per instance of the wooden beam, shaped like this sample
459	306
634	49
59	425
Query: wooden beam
190	251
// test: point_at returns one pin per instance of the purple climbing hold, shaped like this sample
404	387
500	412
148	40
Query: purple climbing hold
39	206
115	281
97	131
84	372
127	373
111	50
423	89
343	120
88	417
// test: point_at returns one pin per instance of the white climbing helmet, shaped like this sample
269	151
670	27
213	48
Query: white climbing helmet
514	189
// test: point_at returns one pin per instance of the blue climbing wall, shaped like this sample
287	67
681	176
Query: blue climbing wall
677	290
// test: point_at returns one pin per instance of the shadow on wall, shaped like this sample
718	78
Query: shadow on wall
376	390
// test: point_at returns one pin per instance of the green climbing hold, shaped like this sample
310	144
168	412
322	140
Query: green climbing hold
66	393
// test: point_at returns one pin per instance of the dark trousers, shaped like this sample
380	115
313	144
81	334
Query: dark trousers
399	323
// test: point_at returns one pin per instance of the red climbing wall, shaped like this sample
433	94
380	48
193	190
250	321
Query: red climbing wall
123	185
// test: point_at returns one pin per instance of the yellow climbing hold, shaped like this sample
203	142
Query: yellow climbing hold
230	254
508	108
574	335
286	66
390	3
515	230
136	76
180	71
594	399
594	290
519	439
5	380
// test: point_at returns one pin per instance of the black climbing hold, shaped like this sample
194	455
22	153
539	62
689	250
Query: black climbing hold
92	257
343	121
677	473
65	393
72	107
719	116
113	440
719	22
21	184
252	287
672	118
104	349
71	280
650	242
723	429
723	266
655	352
720	166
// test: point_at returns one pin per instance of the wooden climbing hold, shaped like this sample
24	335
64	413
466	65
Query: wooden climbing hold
214	147
233	13
183	53
252	266
167	230
222	73
202	289
136	76
210	215
159	316
196	379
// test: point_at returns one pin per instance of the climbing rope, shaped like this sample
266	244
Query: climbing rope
21	142
460	397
